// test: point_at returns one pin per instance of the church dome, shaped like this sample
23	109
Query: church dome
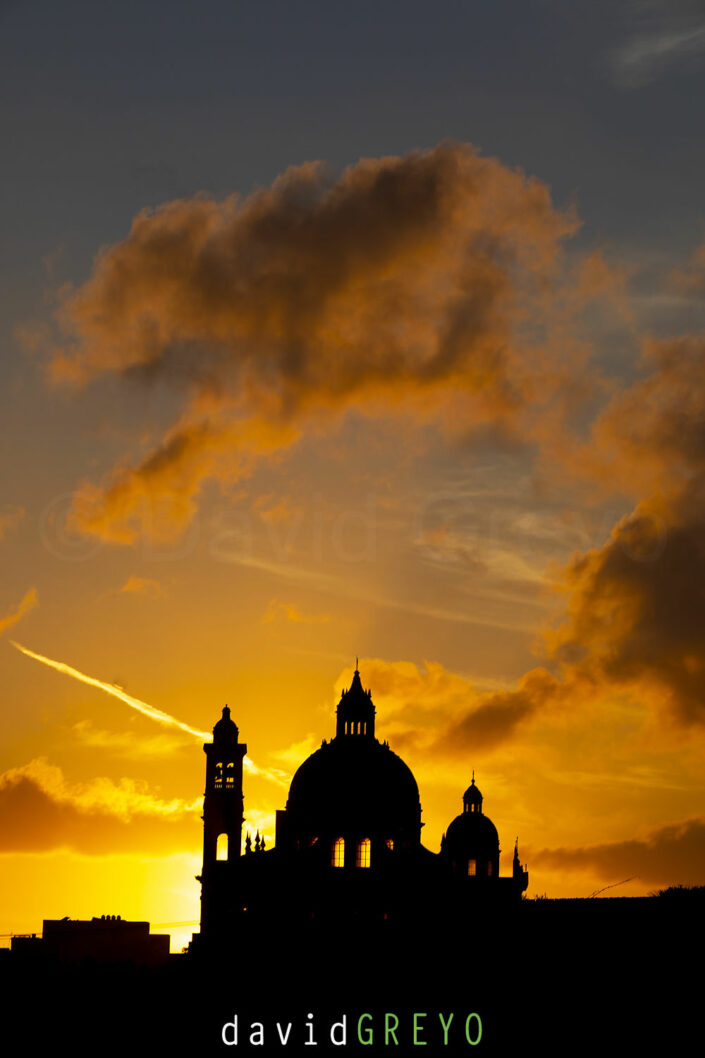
355	784
354	788
471	834
471	842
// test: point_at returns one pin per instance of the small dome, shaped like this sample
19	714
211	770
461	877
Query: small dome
472	836
225	730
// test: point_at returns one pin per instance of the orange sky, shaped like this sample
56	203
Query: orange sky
412	409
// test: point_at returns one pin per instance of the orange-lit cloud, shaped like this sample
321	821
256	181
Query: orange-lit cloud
402	282
635	605
28	602
496	716
669	855
419	282
444	713
635	610
634	621
40	809
158	497
650	437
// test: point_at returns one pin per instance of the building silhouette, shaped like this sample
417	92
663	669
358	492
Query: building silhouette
348	843
108	938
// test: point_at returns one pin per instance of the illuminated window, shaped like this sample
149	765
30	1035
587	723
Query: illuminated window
489	868
218	776
230	775
338	855
221	848
362	859
390	844
472	867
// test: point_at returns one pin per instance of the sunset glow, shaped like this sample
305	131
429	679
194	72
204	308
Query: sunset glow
334	334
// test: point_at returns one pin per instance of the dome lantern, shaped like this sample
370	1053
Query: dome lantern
472	798
355	713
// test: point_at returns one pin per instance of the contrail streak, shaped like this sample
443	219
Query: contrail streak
144	708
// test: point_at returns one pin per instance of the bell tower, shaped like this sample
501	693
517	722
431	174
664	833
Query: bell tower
223	817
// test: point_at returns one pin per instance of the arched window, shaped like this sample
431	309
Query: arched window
221	848
489	868
218	779
362	857
472	867
337	858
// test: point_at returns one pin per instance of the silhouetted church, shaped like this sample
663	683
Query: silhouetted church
348	844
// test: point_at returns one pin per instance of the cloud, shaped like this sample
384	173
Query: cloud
399	283
159	497
651	438
634	617
635	606
143	586
412	283
665	34
636	611
40	809
445	714
495	717
634	620
28	602
670	855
